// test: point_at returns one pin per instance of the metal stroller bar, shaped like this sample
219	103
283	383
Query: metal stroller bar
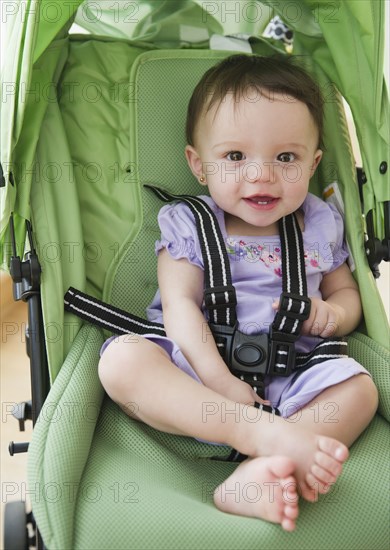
26	286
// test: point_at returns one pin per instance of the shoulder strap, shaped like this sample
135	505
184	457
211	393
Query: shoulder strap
294	304
219	294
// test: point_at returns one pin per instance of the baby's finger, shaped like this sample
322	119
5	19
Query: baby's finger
329	329
309	325
263	401
323	325
318	326
315	324
260	400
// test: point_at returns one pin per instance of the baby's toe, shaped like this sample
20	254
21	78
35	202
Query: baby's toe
328	463
333	448
321	475
288	524
291	511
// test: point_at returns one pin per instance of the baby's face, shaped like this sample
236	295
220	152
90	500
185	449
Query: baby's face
257	155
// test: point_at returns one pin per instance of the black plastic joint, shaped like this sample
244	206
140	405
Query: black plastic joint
15	269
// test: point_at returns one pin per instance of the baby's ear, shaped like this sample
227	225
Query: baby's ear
316	160
194	161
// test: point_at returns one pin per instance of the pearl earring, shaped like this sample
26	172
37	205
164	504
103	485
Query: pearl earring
202	179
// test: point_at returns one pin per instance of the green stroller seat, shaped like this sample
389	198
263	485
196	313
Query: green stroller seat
99	479
161	483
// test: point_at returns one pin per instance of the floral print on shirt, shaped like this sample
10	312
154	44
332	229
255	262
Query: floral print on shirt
269	254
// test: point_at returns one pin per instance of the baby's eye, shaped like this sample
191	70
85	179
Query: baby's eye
286	157
235	156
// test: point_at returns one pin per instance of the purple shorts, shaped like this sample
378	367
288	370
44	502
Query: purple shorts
288	394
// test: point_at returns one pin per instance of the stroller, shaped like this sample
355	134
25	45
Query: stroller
87	121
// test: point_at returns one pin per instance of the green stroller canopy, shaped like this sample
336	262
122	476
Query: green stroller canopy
345	39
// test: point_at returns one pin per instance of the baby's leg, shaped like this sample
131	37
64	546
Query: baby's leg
342	412
140	377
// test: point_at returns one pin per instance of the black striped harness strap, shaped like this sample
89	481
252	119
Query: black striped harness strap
249	357
106	316
219	292
252	357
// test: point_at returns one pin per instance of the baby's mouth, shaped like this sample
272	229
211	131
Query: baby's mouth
262	200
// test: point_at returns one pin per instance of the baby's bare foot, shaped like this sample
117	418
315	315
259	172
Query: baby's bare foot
261	487
318	459
326	467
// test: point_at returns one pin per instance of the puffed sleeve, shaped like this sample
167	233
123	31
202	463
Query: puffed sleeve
325	232
339	251
178	234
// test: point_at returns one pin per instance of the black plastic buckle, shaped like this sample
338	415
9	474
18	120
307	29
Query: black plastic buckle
244	354
297	300
220	298
285	343
223	337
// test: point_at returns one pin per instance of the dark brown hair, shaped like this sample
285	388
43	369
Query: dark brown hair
241	74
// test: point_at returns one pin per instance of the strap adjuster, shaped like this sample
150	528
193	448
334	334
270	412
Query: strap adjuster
219	297
294	306
281	360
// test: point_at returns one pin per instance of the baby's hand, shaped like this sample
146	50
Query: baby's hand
237	390
324	319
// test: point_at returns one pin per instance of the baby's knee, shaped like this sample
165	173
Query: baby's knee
107	374
116	364
369	393
123	365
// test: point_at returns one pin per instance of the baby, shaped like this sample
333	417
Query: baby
254	134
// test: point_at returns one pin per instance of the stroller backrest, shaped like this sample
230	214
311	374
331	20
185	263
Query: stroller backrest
125	129
163	83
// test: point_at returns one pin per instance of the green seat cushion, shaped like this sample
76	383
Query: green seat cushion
143	489
107	481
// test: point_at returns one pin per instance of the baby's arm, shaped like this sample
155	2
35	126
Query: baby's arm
339	311
181	288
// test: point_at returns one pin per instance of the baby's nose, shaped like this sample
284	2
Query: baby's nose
260	171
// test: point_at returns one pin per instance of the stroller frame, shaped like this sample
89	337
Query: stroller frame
39	381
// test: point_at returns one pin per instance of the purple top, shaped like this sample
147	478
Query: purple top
255	262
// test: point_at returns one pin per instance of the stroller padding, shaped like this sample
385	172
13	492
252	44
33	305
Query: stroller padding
66	428
116	483
115	479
